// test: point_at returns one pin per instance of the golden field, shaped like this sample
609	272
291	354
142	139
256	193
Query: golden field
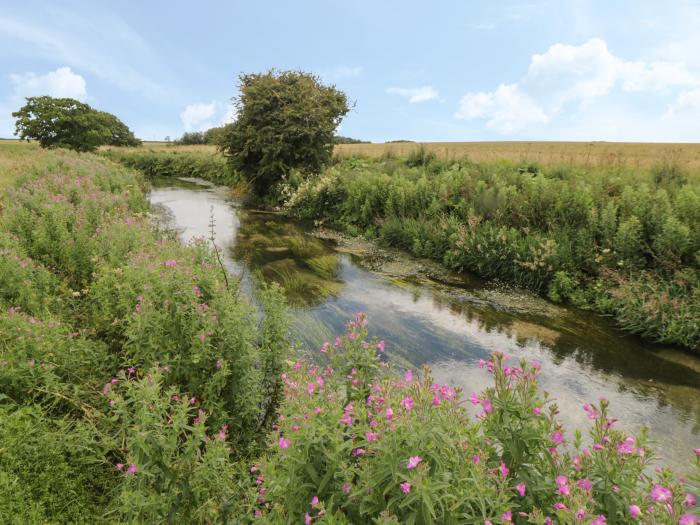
584	154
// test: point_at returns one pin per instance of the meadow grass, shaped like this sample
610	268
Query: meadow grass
579	154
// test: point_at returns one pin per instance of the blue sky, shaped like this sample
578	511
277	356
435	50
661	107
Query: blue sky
440	70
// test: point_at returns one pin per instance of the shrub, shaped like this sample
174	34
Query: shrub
285	121
357	444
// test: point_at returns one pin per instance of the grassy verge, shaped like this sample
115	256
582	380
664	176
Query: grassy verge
620	241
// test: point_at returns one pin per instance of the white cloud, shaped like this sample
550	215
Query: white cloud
60	83
415	95
507	109
198	117
568	75
201	117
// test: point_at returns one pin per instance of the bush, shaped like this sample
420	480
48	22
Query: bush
358	445
285	121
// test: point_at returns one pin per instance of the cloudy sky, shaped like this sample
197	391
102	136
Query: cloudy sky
422	70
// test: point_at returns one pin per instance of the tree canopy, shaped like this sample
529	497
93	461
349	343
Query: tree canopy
69	123
286	120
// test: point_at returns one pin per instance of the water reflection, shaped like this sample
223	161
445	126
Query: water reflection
451	327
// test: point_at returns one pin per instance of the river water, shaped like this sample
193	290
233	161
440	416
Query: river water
448	322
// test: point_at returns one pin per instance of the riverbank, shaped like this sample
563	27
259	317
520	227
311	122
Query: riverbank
140	385
621	242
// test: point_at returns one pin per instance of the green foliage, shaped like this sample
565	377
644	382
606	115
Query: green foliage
175	164
211	136
338	139
69	123
286	120
358	444
583	237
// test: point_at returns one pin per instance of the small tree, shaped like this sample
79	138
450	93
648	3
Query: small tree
286	120
69	123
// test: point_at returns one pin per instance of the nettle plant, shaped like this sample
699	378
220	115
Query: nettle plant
357	444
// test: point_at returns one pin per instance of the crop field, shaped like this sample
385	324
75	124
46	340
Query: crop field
585	154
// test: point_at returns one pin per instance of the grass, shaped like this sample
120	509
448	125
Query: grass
580	154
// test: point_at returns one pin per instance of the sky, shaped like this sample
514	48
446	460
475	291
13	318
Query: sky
460	70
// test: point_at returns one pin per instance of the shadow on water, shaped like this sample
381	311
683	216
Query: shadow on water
449	326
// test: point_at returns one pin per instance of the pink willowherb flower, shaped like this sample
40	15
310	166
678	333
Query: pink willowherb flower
413	461
371	436
346	488
506	517
585	484
562	485
119	466
317	410
407	403
474	399
405	487
598	520
557	438
358	452
503	470
660	493
688	519
634	511
475	459
314	501
389	414
307	519
689	501
520	487
488	408
132	469
311	388
626	446
537	411
284	443
408	376
381	346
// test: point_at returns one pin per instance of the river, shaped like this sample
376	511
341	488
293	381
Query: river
447	321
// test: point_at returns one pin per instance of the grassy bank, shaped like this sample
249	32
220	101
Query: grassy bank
136	386
620	241
190	161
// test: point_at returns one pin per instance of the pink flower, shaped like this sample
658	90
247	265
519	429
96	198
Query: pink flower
475	459
474	398
132	469
537	411
345	488
626	446
389	414
407	403
408	376
413	461
660	493
584	484
506	516
223	433
548	521
559	506
557	438
488	522
688	519
580	514
311	388
381	346
307	519
254	468
119	466
697	451
503	469
284	443
689	501
405	487
371	436
598	520
562	485
634	510
358	452
520	487
488	408
317	410
314	501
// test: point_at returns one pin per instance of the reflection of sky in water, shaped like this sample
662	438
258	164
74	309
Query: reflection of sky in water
450	329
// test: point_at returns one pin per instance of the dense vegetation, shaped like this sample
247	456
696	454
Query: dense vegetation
285	121
212	136
622	242
175	163
69	123
137	387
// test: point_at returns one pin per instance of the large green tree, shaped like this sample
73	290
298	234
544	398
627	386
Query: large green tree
286	120
69	123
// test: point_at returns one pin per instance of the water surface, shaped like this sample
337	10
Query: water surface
449	326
